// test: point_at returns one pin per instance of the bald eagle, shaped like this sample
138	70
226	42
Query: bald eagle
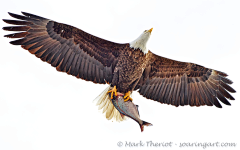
125	67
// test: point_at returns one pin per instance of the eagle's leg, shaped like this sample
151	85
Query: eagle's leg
127	96
114	90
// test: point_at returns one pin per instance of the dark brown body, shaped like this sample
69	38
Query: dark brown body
129	69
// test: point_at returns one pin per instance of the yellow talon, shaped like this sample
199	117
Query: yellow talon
114	90
127	96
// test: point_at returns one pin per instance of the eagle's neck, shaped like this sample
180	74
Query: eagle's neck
141	43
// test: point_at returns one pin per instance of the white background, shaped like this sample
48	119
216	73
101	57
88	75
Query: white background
42	109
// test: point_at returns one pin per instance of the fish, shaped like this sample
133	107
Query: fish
117	109
128	109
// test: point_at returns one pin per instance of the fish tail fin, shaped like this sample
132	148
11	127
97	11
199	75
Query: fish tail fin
144	123
104	102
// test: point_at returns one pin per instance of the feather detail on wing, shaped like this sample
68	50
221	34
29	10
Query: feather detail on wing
65	47
180	83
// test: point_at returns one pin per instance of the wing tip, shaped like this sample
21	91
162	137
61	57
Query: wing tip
4	20
233	91
218	106
12	42
24	13
17	42
11	13
33	16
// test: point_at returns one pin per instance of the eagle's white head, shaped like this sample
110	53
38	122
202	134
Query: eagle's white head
141	41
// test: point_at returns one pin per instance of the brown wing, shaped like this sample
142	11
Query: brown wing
180	83
65	47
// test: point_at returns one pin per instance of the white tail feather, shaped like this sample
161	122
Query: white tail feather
104	102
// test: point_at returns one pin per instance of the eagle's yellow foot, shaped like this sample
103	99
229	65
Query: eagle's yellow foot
113	91
127	96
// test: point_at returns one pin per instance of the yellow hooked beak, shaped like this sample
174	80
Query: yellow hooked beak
150	30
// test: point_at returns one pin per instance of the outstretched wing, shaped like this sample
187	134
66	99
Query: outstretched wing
65	47
180	83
